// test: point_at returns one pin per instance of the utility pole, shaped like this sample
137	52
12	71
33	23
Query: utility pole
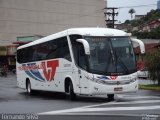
110	13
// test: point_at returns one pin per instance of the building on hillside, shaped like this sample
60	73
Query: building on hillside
44	17
124	27
151	25
138	17
147	27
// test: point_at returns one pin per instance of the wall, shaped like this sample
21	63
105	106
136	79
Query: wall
44	17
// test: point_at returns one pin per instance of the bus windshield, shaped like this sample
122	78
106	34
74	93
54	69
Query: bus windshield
111	55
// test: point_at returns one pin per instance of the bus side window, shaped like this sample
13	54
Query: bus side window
64	49
20	56
52	51
58	48
78	52
25	55
30	55
34	58
75	45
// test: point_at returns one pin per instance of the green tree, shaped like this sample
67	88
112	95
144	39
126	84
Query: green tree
153	65
127	22
132	11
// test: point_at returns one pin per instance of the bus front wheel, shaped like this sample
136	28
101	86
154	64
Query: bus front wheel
72	95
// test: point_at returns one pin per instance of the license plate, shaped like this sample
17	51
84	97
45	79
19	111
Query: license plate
118	89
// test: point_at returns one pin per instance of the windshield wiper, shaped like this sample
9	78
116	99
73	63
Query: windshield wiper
124	66
118	59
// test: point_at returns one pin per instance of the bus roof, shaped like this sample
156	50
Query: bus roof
80	31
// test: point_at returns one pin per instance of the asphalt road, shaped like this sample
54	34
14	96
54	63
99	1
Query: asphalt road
143	105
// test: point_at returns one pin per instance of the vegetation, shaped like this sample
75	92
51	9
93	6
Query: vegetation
152	15
153	64
153	34
150	87
132	11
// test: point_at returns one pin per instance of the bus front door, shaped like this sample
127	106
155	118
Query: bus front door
82	73
84	83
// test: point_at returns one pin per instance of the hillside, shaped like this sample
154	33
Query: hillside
152	15
148	27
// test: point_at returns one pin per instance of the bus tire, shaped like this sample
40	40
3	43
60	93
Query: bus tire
28	87
110	97
72	95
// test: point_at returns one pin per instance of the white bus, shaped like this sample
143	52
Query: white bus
85	61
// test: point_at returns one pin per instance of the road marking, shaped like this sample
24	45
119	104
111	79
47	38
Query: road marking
137	97
116	109
91	109
74	110
123	103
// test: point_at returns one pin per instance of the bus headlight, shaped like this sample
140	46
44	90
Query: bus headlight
133	80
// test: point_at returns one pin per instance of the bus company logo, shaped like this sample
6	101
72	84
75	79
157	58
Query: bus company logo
48	69
113	77
107	78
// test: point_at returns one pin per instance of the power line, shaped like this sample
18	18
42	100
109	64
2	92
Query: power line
149	5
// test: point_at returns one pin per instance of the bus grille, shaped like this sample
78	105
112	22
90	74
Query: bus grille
123	82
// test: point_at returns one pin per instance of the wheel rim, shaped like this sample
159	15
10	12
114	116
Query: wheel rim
29	87
69	89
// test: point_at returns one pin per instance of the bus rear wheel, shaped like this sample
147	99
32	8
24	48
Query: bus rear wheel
110	97
72	95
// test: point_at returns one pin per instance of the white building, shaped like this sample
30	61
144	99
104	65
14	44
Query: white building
44	17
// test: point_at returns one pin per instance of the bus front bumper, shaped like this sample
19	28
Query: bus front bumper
103	89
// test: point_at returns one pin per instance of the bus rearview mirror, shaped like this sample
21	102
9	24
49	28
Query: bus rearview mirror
141	45
85	45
